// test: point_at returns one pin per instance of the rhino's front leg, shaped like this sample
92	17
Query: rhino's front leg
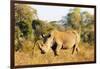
74	48
59	46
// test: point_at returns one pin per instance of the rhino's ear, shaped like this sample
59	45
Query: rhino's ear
42	36
49	35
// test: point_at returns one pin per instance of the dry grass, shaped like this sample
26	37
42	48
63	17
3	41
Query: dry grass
26	58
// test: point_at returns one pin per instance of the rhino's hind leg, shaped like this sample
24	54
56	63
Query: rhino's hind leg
75	48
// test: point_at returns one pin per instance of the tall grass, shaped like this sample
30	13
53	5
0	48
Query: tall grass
26	56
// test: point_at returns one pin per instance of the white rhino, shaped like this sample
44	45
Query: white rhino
61	40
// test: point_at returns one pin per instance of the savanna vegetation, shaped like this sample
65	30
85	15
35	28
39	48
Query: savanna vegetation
29	29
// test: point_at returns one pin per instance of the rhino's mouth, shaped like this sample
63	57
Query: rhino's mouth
41	48
42	52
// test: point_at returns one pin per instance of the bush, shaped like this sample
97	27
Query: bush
23	28
88	36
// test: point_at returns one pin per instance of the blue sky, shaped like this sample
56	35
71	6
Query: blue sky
55	13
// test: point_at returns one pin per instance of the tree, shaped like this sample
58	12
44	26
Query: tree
74	18
24	15
87	18
87	25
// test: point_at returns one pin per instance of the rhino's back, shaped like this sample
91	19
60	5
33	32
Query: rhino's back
67	38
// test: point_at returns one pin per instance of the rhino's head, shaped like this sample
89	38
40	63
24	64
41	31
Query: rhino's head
46	45
43	47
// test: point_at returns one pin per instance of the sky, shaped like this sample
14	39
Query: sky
55	13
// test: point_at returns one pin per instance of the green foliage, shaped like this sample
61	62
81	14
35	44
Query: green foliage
74	18
25	14
88	36
87	18
23	28
87	27
18	34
